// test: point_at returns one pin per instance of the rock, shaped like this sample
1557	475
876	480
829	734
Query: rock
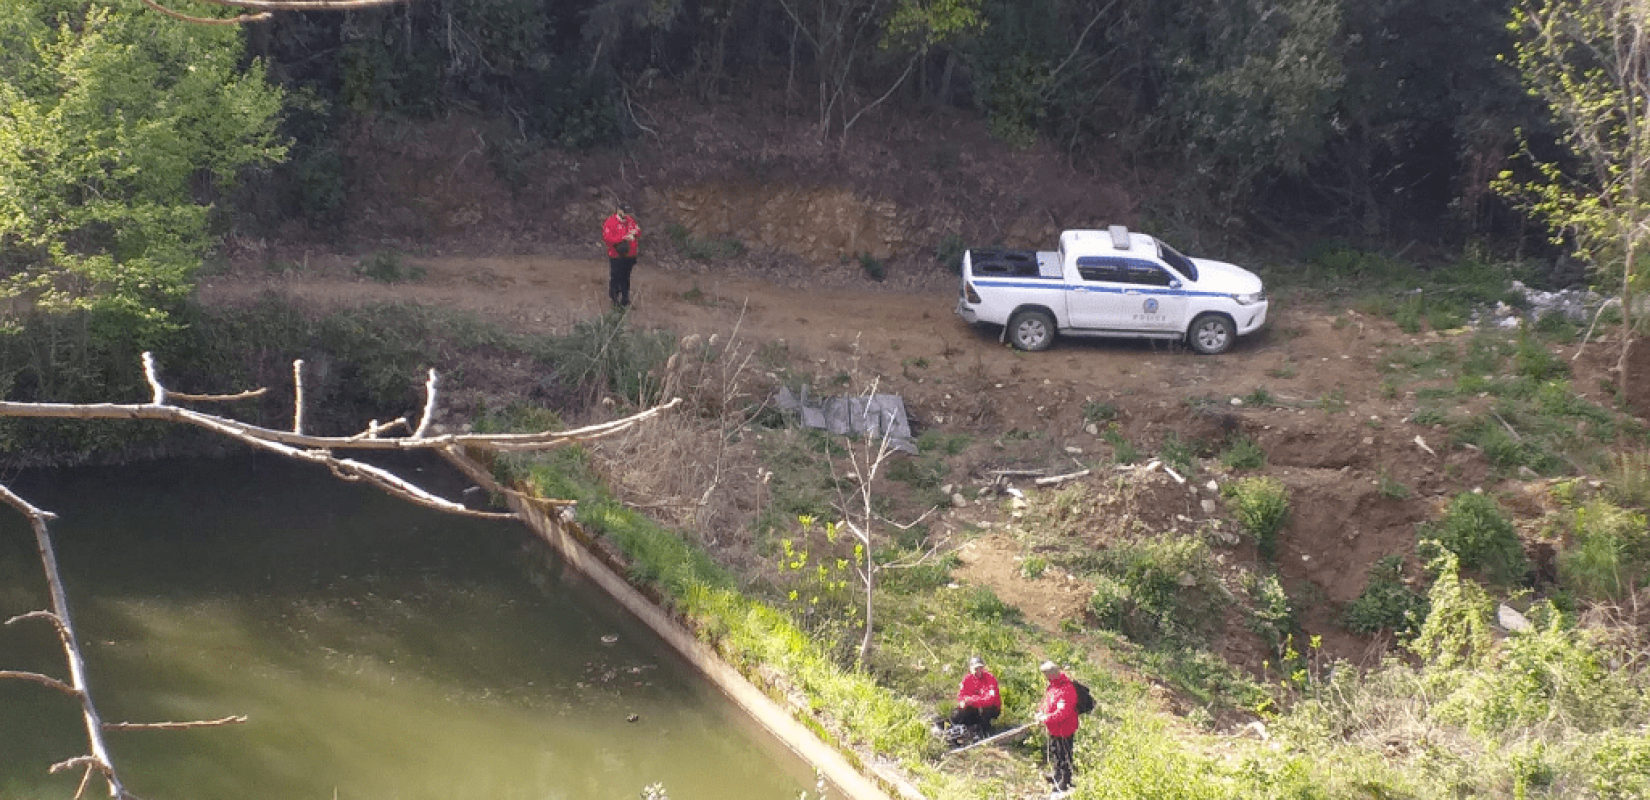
1076	451
1091	429
958	501
1208	506
1509	618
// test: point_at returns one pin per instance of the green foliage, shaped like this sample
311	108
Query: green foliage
1475	530
1243	453
873	267
1122	449
1629	479
1581	61
1390	487
1386	603
1262	507
1609	557
1144	586
387	266
1098	412
1179	454
1033	567
606	352
949	252
112	119
1457	631
703	249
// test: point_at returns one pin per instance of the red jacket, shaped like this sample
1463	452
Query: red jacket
1060	704
979	691
614	231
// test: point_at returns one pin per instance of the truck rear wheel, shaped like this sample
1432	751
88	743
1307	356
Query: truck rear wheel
1211	334
1031	330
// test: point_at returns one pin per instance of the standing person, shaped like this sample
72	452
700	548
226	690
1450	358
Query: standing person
622	235
978	701
1059	715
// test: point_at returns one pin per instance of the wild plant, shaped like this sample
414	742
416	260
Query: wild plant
1262	508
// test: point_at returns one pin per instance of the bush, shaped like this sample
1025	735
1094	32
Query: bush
1611	553
387	266
949	252
1480	536
1386	603
1262	507
1242	453
1140	590
874	268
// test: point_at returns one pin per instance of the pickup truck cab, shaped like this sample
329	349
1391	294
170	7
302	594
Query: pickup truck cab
1110	283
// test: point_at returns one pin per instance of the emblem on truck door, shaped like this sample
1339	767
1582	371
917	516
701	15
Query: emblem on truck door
1151	305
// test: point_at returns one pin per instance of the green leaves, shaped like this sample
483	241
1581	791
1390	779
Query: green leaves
112	120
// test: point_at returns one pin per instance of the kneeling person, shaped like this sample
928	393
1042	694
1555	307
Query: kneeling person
978	701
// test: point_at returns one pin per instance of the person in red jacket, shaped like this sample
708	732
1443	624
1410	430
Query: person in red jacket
622	235
1059	715
978	700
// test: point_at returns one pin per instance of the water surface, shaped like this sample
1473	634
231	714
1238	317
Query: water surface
380	651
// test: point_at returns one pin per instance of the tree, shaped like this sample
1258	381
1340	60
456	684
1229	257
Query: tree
1589	61
116	127
839	32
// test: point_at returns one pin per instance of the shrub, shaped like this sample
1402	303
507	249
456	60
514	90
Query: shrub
873	266
1611	553
1139	592
1262	507
949	252
386	266
1242	453
1386	603
1480	536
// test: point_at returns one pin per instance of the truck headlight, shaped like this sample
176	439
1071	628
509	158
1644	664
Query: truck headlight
1249	299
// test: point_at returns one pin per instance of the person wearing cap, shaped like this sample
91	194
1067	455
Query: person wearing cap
978	700
1058	714
622	234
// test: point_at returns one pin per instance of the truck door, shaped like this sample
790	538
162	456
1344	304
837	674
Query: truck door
1152	297
1095	301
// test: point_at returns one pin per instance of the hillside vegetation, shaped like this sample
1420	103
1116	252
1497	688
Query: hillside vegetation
1395	546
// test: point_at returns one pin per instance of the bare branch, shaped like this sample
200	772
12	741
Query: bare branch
151	375
429	406
46	615
44	680
237	20
298	396
174	726
217	398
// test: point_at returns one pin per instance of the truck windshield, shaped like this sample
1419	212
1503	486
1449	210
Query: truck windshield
1181	264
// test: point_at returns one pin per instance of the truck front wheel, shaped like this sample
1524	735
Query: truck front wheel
1031	330
1211	334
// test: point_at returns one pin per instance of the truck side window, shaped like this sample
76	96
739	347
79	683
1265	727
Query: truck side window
1145	273
1100	270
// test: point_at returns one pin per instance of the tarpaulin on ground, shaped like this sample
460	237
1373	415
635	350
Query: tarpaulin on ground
858	414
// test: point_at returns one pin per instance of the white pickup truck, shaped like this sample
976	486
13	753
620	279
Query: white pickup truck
1110	283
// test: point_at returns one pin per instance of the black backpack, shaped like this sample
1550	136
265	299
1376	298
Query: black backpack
1085	698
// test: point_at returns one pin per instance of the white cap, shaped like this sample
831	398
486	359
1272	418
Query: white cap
1048	667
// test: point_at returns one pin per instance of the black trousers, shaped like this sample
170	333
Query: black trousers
618	280
977	718
1060	760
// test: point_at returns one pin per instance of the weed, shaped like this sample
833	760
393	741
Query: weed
873	267
1390	487
1628	482
703	249
1334	402
1179	454
1532	359
1262	506
1611	553
387	266
1033	567
1242	453
983	604
949	252
1283	372
1122	449
1480	536
1098	412
1386	603
1259	397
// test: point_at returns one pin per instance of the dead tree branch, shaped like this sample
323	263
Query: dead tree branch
174	726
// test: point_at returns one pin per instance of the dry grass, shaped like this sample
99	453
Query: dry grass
696	469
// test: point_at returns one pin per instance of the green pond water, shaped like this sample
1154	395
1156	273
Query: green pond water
380	651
